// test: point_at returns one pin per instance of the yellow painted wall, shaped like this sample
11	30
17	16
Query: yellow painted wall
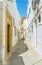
8	22
0	26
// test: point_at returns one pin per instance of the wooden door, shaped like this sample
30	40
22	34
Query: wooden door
8	38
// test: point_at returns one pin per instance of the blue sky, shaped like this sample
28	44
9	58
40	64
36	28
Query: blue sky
22	7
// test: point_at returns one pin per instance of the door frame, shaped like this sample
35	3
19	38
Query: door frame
8	22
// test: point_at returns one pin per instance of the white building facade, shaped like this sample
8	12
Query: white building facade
34	14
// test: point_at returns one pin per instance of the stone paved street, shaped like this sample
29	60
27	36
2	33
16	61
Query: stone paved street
19	49
23	56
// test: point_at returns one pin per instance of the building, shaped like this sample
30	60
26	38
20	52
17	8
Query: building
34	14
24	27
9	24
0	24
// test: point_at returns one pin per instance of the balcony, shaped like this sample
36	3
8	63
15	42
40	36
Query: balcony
34	3
37	1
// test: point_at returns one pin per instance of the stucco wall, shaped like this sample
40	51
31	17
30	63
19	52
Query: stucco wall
1	23
14	12
12	9
0	26
3	29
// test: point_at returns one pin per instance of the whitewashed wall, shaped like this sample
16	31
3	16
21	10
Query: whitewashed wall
3	29
39	35
15	14
1	10
35	41
14	38
39	39
40	3
13	10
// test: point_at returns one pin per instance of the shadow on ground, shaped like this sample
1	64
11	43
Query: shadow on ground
15	61
14	58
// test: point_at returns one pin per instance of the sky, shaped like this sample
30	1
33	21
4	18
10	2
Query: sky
22	7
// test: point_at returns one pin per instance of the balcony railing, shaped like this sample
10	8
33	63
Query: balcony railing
37	1
34	3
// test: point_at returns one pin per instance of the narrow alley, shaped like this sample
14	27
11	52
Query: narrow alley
24	54
14	59
20	32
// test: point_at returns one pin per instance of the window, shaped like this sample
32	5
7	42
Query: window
37	1
33	4
39	18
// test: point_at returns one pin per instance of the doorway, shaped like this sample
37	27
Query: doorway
8	38
8	33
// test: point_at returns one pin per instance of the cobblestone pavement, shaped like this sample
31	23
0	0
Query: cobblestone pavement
14	58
